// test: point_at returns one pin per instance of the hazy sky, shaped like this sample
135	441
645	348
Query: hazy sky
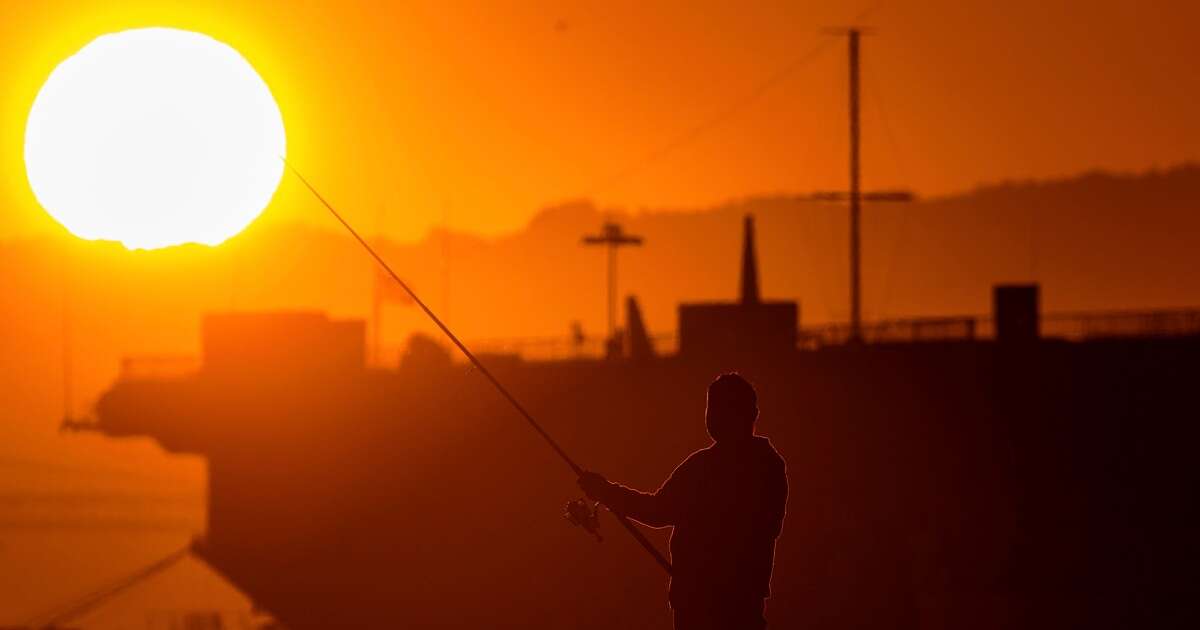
487	111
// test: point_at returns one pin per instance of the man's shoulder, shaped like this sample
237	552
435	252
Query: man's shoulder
697	459
697	456
769	452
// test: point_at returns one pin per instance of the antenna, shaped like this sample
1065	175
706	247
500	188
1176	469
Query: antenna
446	259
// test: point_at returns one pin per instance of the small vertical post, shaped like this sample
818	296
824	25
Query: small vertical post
612	290
446	260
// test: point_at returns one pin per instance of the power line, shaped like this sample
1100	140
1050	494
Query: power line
99	596
690	135
722	116
902	230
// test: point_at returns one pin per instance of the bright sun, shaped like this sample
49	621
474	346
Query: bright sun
154	137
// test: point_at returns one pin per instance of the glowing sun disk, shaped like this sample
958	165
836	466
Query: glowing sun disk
154	137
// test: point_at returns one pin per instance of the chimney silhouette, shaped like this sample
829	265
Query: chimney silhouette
749	263
636	337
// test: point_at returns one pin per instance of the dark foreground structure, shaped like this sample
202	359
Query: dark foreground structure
944	476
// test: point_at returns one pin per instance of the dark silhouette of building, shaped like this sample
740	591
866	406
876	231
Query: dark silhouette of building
1016	313
956	482
274	342
748	327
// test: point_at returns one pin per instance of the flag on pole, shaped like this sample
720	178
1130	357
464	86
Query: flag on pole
388	291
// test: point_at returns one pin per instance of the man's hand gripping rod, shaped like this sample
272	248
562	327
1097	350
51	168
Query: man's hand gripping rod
575	468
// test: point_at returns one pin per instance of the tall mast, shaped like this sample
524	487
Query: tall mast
855	196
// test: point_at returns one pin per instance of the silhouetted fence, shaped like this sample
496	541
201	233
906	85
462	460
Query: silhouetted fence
1069	326
1116	324
563	348
892	331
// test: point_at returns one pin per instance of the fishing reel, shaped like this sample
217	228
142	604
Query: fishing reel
581	513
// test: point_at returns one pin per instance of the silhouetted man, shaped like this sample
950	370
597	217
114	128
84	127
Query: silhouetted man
726	503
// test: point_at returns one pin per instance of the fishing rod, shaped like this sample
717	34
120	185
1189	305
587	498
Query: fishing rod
562	454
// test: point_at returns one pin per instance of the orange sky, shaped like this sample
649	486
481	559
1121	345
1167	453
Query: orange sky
489	113
495	111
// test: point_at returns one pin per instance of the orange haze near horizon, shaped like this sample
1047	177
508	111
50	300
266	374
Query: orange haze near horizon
411	115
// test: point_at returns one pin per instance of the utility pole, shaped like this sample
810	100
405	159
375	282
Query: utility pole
446	260
612	237
855	195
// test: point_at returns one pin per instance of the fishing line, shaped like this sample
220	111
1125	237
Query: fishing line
575	468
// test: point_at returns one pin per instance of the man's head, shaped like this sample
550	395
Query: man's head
732	408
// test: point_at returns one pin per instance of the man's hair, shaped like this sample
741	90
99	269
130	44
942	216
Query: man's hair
733	392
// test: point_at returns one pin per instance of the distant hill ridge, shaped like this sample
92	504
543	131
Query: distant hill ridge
1184	178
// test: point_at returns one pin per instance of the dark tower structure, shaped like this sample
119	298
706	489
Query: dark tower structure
749	263
749	327
638	346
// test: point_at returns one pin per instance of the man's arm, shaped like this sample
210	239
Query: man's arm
660	509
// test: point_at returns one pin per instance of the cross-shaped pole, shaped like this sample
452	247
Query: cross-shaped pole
856	196
612	237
